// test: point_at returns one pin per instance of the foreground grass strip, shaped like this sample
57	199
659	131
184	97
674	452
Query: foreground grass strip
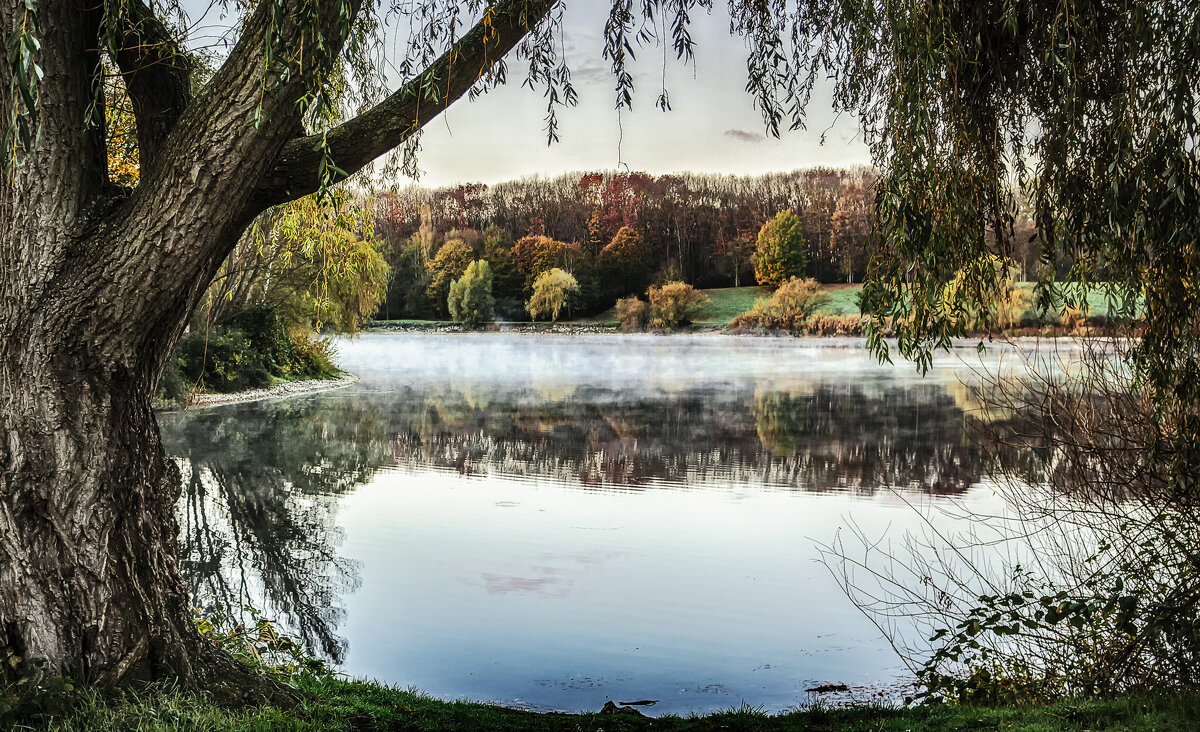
355	706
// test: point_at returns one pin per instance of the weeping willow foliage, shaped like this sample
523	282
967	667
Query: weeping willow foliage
1089	108
317	262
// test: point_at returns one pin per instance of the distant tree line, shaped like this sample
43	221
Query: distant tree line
617	233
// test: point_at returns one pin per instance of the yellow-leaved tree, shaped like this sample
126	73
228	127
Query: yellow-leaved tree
316	261
780	254
551	292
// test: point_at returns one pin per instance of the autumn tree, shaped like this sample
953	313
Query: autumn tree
451	260
625	263
738	250
552	291
850	229
537	254
779	254
121	131
821	187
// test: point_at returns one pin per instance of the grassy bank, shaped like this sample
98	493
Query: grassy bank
330	704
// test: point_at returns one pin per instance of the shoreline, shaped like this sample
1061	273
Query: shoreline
705	328
276	391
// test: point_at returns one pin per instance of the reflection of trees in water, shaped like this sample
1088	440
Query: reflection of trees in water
257	515
839	436
828	437
262	483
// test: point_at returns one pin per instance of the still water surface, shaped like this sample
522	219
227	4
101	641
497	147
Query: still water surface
556	521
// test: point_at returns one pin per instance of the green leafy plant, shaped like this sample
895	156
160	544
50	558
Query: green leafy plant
470	299
258	642
780	253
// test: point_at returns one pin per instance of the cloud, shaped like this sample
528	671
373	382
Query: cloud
590	71
744	136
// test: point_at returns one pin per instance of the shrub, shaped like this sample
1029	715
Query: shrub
674	304
249	351
173	387
313	358
633	313
470	299
1072	318
779	255
821	324
226	360
551	291
790	308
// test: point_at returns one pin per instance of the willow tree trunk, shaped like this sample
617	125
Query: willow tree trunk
97	282
89	581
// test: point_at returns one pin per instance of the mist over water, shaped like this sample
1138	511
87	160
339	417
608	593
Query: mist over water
556	521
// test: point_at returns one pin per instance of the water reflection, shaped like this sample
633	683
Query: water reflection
827	438
258	514
502	518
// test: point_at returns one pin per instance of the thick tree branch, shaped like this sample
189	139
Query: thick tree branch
360	140
201	180
157	76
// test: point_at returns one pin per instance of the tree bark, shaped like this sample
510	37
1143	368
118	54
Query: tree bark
95	289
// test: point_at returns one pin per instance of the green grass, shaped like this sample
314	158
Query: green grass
843	300
355	706
726	303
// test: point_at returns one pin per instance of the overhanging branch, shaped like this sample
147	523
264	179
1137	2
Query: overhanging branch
384	127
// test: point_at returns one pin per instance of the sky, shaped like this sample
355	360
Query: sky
712	127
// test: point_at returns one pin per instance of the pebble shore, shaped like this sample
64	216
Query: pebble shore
278	391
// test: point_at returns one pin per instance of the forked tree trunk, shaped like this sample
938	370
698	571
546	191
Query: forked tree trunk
95	287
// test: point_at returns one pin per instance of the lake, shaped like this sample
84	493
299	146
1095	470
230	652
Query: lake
556	521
